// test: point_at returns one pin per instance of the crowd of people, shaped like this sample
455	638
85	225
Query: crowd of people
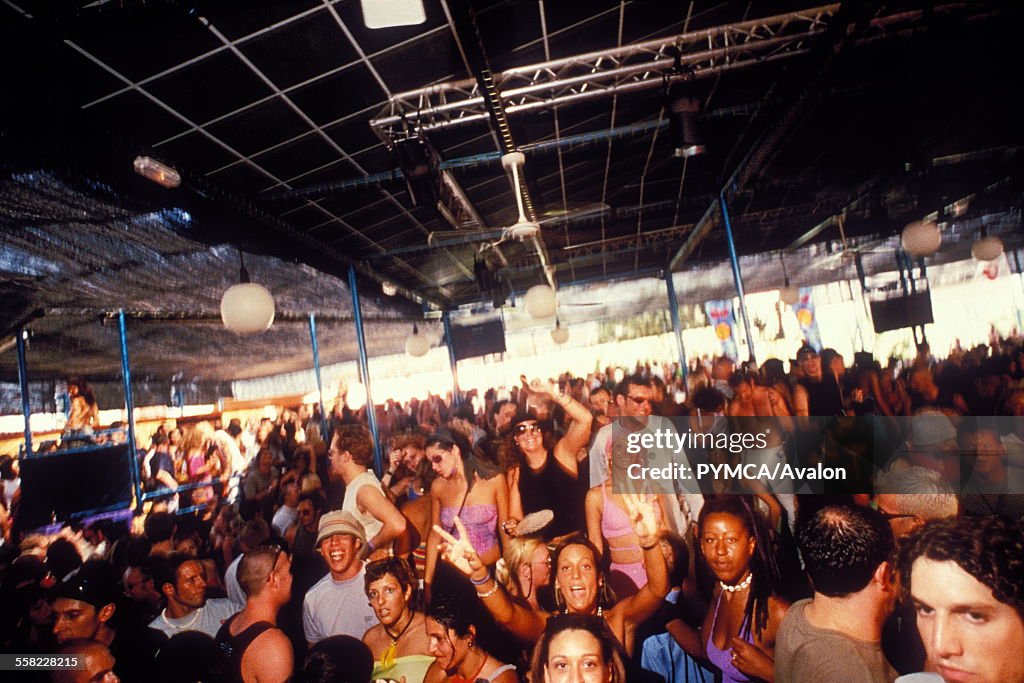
499	543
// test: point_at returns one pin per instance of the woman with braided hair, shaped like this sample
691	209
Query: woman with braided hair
738	634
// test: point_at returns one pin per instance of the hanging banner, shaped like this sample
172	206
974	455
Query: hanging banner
804	310
723	322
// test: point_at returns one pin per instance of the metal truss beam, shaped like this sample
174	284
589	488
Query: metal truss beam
639	66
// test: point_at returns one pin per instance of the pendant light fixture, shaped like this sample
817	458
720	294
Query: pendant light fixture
921	238
789	294
559	335
416	344
248	307
540	301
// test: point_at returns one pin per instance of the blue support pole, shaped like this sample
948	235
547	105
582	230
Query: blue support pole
364	369
677	326
319	384
130	408
736	275
26	407
447	321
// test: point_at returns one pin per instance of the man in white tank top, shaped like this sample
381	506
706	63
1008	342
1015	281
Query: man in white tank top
351	455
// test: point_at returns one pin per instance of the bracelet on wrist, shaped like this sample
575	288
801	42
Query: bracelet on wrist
487	577
489	593
649	547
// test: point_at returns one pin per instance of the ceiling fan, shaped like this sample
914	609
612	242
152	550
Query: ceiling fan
522	229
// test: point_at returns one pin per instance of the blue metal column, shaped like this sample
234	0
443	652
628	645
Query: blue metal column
446	319
319	384
364	370
130	407
736	275
26	407
677	326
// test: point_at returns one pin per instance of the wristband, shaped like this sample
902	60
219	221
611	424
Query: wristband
649	547
487	577
489	593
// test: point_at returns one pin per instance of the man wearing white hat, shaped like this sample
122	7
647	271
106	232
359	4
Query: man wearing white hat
337	605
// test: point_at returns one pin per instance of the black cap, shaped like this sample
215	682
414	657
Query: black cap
92	583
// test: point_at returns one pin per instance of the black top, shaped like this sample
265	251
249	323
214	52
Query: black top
234	647
552	488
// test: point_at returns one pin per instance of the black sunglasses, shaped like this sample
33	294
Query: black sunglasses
526	428
639	400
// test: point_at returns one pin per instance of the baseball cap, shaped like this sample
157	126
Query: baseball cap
929	428
806	351
90	585
340	522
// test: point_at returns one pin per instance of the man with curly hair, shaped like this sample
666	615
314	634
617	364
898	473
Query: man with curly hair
966	579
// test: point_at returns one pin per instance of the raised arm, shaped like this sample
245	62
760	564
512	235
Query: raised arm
648	599
378	506
515	617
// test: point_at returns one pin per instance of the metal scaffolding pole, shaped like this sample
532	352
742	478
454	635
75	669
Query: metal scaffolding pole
737	276
319	384
129	404
364	370
26	407
677	327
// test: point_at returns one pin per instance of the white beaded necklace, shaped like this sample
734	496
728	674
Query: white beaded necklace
739	586
185	627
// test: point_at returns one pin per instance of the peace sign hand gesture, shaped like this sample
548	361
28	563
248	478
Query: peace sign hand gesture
459	552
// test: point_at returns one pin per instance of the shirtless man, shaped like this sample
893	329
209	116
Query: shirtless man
759	410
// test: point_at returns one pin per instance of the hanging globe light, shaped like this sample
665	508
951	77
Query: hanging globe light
247	308
416	344
921	238
987	249
559	335
540	301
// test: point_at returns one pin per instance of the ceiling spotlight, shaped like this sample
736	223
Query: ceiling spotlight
389	13
683	126
389	288
247	308
159	173
540	301
416	344
987	249
921	238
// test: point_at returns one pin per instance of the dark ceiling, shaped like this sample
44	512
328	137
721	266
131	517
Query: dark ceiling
886	111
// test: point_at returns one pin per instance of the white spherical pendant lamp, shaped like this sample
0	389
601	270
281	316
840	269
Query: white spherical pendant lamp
921	238
247	308
416	344
540	301
559	335
987	249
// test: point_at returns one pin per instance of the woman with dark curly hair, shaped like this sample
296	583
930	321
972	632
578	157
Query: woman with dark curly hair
578	647
453	643
738	634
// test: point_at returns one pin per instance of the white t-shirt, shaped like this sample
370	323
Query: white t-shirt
334	608
235	592
211	617
284	518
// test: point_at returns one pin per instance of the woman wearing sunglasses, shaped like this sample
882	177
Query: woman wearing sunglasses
547	479
580	581
468	488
